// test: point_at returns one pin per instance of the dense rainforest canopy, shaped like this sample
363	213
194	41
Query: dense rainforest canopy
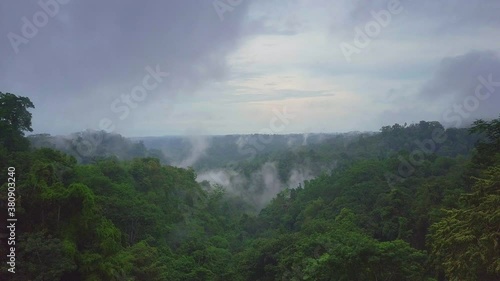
379	214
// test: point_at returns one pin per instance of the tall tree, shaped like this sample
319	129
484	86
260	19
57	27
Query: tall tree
465	243
15	119
489	147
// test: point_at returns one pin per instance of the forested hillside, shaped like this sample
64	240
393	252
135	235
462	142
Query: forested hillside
91	146
402	204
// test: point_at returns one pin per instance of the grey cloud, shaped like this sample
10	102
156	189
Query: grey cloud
458	76
276	17
450	15
99	49
459	82
451	94
92	52
290	25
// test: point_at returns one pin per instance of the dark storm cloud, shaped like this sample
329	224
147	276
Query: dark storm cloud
101	48
458	76
90	53
461	90
468	85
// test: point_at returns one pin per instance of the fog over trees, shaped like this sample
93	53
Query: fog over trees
250	140
411	202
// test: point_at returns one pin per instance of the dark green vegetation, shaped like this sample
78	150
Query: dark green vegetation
137	219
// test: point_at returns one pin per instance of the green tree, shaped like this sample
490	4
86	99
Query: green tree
44	258
465	243
15	119
489	147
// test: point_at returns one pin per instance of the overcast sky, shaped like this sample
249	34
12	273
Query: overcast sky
250	66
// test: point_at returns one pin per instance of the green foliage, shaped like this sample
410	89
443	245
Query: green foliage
465	243
15	119
488	148
44	257
332	250
137	219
